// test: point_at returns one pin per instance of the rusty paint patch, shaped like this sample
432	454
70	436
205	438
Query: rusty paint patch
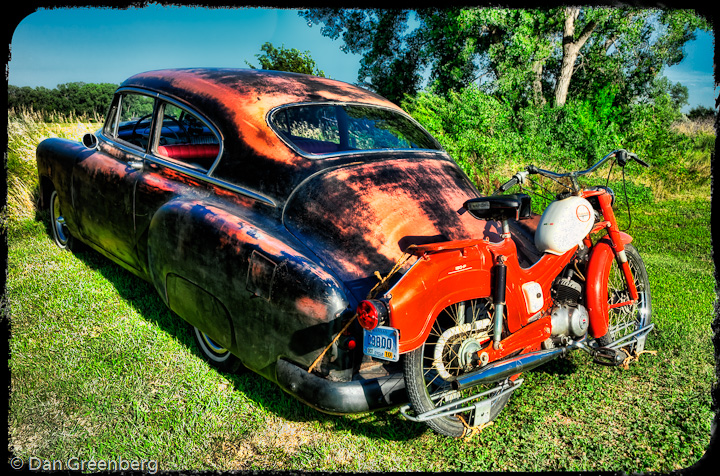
312	308
359	219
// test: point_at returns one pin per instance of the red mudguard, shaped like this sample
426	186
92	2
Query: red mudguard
596	291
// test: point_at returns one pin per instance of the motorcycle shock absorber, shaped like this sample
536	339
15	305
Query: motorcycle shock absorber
499	287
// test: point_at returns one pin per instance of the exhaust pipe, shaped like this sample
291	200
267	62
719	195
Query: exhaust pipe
505	368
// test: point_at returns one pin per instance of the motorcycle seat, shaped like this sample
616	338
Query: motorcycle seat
499	207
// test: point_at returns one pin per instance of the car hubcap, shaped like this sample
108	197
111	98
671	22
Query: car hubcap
214	346
59	226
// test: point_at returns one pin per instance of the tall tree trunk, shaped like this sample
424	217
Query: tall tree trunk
538	97
571	49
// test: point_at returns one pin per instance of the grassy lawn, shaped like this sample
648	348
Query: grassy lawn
101	370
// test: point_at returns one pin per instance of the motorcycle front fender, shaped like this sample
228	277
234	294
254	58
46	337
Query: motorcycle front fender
596	290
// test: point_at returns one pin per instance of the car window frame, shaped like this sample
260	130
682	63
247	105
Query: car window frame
150	152
281	135
115	110
153	157
162	101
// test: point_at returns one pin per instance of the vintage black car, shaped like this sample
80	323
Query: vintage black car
262	206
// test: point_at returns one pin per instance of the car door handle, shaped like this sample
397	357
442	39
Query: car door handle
136	164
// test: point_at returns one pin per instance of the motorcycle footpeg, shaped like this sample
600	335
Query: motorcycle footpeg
607	356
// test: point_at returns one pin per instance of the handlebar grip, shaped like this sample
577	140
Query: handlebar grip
508	184
516	179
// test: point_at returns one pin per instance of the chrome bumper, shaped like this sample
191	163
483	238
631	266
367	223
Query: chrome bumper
355	396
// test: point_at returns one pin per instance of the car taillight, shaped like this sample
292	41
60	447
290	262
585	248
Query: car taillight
371	313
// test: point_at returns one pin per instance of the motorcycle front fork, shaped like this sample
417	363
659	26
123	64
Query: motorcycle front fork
500	278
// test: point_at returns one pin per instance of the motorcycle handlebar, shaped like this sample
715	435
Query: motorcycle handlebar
622	155
639	161
516	179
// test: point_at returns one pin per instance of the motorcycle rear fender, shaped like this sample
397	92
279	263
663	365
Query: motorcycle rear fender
596	291
452	274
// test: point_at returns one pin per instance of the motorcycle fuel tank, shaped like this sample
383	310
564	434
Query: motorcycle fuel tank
563	225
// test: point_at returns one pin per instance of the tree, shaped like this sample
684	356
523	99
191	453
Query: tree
701	112
70	98
525	56
286	60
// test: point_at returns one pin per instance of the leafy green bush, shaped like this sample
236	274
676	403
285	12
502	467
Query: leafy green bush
475	129
637	193
490	139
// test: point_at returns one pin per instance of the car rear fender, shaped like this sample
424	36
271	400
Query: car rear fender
235	274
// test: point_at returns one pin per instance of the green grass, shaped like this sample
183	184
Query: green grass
101	370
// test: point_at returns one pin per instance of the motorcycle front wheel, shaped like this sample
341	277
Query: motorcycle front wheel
628	319
458	333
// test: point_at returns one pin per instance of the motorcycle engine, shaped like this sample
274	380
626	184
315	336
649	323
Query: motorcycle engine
568	316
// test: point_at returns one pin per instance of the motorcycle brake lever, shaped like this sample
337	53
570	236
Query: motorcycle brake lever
639	161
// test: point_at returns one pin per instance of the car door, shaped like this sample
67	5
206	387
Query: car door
104	182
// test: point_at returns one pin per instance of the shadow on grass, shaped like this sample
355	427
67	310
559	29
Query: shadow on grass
561	366
142	296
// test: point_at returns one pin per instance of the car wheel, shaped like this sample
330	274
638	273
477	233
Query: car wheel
215	354
60	232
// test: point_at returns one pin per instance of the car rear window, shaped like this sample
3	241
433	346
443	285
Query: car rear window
322	129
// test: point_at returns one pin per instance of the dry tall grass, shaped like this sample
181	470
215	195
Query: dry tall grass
705	125
26	129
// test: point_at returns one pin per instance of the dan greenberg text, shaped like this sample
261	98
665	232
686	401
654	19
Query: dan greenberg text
77	464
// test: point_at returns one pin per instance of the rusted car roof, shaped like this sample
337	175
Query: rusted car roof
242	98
238	101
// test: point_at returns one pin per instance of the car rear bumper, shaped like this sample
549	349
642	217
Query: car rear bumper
356	396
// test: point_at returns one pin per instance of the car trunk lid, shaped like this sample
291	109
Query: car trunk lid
359	218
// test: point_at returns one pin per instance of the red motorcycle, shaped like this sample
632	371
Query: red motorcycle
469	318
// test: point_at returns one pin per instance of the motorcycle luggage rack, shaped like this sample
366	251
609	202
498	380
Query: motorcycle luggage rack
482	408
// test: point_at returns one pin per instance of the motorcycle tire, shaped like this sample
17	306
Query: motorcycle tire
427	376
623	321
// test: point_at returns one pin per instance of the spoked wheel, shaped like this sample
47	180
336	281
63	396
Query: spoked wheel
458	333
218	356
628	319
60	232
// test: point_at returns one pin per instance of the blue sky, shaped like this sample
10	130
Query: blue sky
103	45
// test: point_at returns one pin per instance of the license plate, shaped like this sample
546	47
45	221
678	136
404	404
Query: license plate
381	343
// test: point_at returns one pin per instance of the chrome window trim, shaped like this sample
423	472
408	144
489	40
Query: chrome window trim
188	108
307	155
212	180
126	146
145	157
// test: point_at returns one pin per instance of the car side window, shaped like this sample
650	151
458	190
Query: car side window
185	138
130	119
